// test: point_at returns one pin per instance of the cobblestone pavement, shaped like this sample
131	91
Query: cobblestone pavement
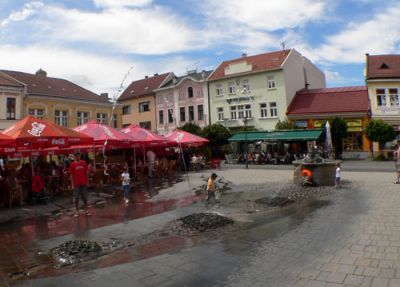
349	238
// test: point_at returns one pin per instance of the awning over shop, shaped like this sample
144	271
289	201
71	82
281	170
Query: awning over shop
289	135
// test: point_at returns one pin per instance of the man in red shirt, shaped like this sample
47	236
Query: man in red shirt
79	177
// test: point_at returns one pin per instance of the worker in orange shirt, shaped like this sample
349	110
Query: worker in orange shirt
307	175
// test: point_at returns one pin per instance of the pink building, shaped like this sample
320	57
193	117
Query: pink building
182	100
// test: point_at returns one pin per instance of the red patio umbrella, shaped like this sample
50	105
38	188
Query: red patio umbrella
103	134
186	138
33	133
146	137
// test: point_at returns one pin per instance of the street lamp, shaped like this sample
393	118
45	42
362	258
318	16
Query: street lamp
246	143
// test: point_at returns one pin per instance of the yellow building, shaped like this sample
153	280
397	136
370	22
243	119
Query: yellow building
139	101
11	96
311	108
62	101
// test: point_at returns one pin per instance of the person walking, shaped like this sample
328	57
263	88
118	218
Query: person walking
397	159
125	184
79	178
211	189
151	158
337	175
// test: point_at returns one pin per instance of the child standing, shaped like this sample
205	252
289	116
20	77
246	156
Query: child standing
211	187
125	184
337	175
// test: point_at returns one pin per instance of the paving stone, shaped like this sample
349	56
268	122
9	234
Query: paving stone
380	282
354	280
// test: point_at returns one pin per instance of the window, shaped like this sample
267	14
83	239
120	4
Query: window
233	113
161	117
144	107
101	118
61	118
115	121
145	125
247	111
240	111
271	82
170	117
263	110
200	113
126	110
10	109
273	110
231	88
394	97
37	113
190	92
219	90
246	86
381	97
82	118
220	112
191	113
182	114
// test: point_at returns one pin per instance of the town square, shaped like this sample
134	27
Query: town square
199	143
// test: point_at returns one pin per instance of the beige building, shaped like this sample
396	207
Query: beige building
139	101
382	77
256	90
59	100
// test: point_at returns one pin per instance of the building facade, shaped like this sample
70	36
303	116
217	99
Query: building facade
139	101
62	101
311	108
256	90
182	100
12	94
382	76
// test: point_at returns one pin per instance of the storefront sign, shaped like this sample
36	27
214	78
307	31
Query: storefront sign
301	124
354	123
319	123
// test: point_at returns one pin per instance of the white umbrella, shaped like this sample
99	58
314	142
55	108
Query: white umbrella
328	139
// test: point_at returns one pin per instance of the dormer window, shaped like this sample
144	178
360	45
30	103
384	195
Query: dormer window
384	66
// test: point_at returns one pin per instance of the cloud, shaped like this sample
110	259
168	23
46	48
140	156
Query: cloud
122	3
94	72
266	15
27	11
379	35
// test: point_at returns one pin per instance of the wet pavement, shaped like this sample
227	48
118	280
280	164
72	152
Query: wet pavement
349	237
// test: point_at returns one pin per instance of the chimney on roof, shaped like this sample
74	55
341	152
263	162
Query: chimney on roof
146	77
366	66
156	74
244	55
41	73
203	74
104	95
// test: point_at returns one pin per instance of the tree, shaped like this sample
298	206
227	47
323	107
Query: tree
338	132
217	134
285	125
191	128
379	131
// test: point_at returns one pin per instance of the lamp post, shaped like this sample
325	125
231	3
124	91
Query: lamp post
246	143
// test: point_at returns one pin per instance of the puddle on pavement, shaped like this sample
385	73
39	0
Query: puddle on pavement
18	240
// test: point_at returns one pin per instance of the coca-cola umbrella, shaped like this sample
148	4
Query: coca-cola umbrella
107	136
146	138
36	134
7	144
186	138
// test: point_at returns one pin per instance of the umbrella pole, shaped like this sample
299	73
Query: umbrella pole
134	159
31	160
94	158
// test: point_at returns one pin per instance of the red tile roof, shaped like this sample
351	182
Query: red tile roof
330	101
5	81
261	62
143	87
40	85
383	66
